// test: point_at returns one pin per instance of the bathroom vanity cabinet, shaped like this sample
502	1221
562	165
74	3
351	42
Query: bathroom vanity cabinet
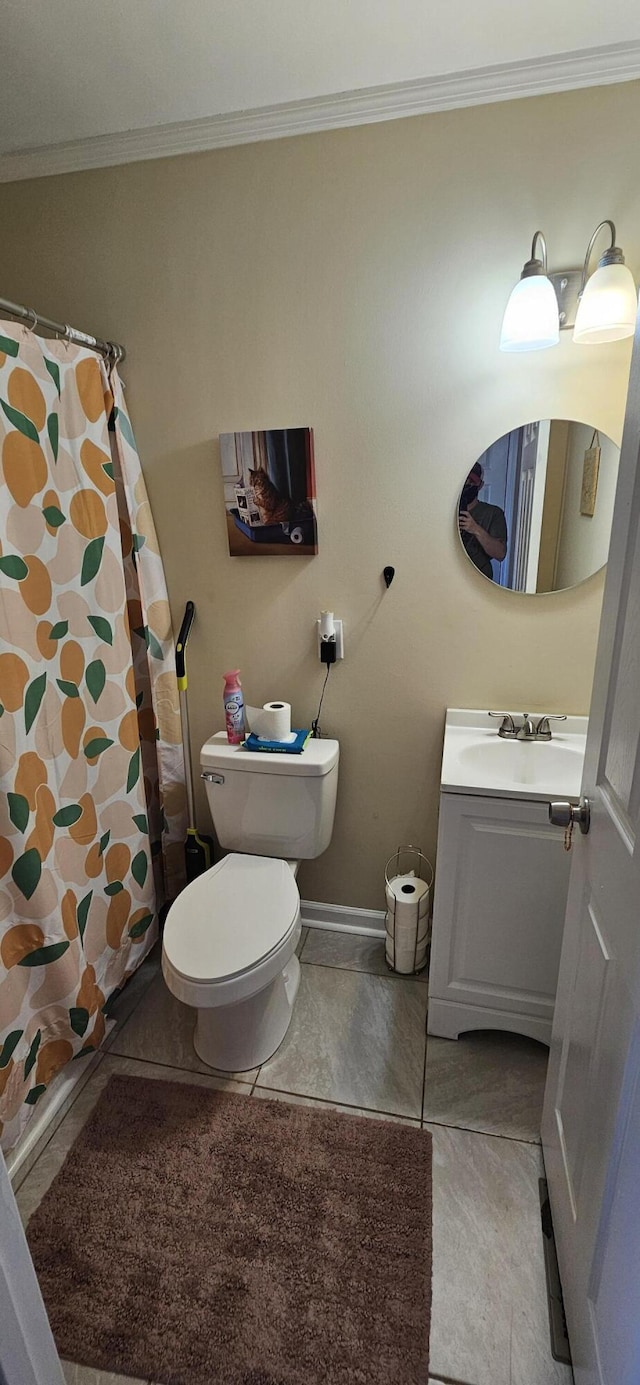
499	907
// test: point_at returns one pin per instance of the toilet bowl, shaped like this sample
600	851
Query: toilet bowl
228	949
229	942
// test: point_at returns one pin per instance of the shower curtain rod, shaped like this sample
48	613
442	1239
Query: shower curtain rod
111	349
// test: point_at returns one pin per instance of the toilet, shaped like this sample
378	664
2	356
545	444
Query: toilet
229	942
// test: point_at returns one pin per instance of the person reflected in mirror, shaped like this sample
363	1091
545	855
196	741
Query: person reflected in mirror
483	527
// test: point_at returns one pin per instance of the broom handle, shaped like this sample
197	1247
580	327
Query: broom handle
186	747
181	646
181	671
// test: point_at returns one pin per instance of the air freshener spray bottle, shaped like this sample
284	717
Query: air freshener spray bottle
233	707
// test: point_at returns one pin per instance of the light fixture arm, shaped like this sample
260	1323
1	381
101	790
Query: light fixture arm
536	265
613	255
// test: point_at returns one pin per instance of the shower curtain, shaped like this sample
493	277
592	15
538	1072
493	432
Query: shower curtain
92	808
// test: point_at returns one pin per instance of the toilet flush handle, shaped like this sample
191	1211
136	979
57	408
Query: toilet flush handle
212	778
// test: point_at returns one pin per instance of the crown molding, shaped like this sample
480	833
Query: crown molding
588	67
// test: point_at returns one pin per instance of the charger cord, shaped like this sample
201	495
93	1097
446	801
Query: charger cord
316	731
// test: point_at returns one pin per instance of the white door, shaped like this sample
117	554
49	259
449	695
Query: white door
522	510
27	1351
591	1122
498	464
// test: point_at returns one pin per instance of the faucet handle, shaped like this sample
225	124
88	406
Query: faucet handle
507	726
543	729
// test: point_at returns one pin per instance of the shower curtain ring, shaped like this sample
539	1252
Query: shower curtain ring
33	319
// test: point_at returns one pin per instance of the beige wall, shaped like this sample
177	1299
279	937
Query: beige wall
352	281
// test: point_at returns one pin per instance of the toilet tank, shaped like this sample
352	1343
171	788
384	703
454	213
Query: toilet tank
272	804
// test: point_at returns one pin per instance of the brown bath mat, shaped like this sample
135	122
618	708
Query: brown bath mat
195	1236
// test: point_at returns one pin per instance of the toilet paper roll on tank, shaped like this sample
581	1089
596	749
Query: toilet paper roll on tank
271	722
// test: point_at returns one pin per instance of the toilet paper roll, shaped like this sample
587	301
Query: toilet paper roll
405	955
406	960
408	895
272	722
407	922
407	930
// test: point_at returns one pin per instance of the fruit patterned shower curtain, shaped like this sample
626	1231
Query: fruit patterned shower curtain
92	807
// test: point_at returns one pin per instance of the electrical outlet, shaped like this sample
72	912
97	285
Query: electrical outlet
339	638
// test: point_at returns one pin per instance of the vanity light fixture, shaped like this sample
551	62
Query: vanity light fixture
602	306
531	320
608	300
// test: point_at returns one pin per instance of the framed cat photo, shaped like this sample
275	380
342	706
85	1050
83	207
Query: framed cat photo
270	492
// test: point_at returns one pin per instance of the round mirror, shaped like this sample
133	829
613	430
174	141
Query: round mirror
535	510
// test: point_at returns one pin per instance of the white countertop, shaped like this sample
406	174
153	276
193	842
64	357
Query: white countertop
476	760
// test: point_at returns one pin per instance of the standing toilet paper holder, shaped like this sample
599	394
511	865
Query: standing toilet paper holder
408	877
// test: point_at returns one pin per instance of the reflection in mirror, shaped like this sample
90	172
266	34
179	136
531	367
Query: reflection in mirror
535	510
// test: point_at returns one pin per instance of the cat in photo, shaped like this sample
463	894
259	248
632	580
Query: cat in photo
273	507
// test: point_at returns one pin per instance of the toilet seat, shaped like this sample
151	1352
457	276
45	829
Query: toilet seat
226	927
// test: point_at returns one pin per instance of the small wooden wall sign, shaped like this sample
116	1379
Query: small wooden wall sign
590	478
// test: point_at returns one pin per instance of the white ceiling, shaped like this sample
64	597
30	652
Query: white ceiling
73	70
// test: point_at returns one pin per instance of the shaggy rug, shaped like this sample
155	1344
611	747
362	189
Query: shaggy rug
194	1236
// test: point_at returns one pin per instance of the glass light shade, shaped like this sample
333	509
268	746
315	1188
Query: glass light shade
531	320
607	309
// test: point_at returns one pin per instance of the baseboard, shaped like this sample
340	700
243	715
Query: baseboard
340	918
51	1108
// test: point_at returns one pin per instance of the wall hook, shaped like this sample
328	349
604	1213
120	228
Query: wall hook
389	574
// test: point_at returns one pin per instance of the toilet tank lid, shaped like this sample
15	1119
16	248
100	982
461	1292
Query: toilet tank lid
317	758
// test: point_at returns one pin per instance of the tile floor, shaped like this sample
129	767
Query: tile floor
358	1043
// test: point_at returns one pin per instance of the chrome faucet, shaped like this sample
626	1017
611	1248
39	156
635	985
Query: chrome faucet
543	729
528	730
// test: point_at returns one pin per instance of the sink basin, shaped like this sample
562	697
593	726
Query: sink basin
533	762
476	760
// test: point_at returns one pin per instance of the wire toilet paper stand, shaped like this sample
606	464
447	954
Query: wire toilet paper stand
408	877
